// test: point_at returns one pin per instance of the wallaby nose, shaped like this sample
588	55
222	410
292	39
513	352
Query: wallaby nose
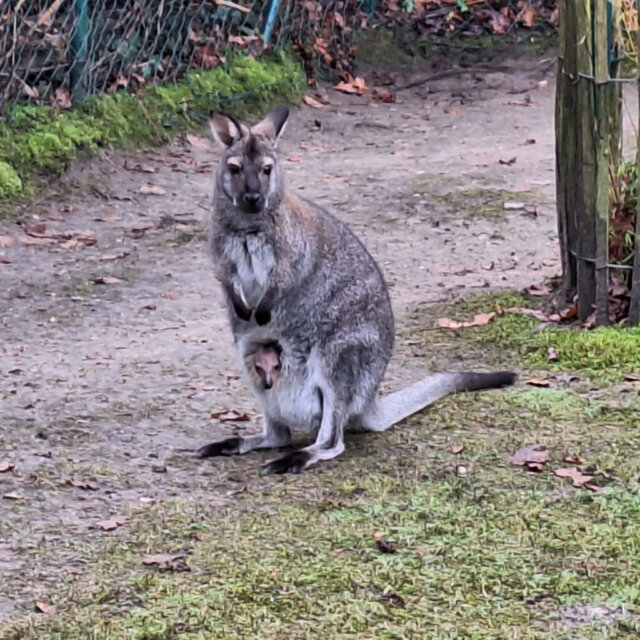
253	201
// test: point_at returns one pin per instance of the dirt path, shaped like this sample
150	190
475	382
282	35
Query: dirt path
104	387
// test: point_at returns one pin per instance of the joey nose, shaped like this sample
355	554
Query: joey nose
253	201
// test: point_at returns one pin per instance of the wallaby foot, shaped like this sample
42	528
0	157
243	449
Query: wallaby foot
273	435
226	447
293	462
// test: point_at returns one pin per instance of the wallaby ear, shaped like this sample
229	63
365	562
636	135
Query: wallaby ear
225	129
273	124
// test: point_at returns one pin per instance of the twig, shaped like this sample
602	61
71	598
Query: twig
449	73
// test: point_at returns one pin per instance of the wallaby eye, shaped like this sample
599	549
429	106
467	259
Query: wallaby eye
267	170
234	169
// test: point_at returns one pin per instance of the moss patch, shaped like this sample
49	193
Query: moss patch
607	353
37	141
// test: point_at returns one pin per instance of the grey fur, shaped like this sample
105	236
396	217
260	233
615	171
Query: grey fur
296	277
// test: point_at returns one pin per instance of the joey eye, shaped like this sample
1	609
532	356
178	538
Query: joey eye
234	169
267	170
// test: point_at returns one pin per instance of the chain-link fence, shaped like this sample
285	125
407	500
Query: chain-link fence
58	52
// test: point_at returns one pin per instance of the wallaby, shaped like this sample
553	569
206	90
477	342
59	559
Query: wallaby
309	309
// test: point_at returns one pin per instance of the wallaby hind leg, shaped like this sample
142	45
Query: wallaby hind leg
273	435
329	442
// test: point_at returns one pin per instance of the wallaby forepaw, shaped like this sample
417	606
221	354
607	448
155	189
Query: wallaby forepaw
226	447
293	462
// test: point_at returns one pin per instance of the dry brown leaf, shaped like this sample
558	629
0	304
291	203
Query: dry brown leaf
6	466
152	189
355	86
508	162
73	571
537	290
532	457
457	448
634	377
113	523
61	99
198	142
479	320
574	460
6	241
44	607
13	495
312	102
552	354
230	415
385	546
383	95
528	16
82	484
294	157
79	240
575	475
106	280
36	242
534	382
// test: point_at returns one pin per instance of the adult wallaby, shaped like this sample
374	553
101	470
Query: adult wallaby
309	308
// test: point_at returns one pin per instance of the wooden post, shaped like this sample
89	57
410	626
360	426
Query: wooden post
634	305
566	145
601	72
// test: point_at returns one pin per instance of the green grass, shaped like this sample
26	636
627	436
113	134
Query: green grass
606	354
38	141
484	549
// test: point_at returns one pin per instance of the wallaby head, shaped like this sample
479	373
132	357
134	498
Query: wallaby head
249	179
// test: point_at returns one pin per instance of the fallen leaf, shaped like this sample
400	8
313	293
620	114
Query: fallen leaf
575	475
61	99
81	484
144	168
73	571
12	496
113	523
312	102
534	382
6	466
152	189
106	280
479	320
294	157
383	95
457	448
356	85
532	457
385	546
43	607
166	560
537	290
635	377
574	460
167	295
79	240
552	354
197	142
230	415
508	162
6	241
392	598
453	111
35	229
35	241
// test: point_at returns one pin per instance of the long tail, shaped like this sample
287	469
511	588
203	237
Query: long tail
401	404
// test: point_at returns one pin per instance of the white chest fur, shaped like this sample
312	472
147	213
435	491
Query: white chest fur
253	258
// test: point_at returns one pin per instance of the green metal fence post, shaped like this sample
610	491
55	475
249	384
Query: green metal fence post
271	20
79	46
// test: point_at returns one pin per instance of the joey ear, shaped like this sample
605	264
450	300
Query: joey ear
273	124
225	129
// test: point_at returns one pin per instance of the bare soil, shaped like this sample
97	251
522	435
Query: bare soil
107	385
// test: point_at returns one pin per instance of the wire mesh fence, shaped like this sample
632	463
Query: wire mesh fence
58	52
